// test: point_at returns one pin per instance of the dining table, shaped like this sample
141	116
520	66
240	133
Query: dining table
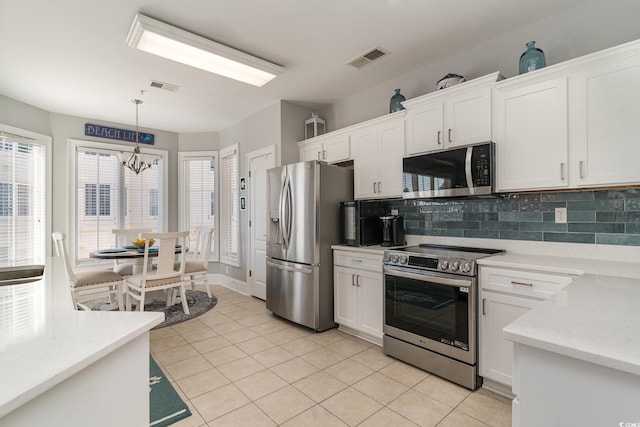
129	253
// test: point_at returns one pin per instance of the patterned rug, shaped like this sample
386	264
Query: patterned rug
198	302
165	406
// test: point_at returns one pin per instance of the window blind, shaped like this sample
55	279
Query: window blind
229	205
22	202
199	183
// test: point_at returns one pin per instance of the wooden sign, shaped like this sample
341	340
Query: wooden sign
119	134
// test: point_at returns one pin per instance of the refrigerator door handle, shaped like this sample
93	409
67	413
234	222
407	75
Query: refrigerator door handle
283	213
292	269
289	211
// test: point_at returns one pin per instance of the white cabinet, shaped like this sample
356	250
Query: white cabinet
604	123
530	132
377	164
358	294
505	295
456	116
331	148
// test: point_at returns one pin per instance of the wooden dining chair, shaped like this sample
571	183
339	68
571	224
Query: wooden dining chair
124	237
167	275
197	263
93	284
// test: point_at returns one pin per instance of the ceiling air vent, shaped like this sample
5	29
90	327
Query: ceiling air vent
367	57
165	86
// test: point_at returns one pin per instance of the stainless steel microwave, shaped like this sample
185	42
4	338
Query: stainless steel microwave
462	171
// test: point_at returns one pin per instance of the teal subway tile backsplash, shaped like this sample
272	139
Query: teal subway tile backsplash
609	217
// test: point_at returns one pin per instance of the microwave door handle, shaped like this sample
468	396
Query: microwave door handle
468	172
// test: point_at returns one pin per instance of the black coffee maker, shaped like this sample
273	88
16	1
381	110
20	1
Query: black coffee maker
392	231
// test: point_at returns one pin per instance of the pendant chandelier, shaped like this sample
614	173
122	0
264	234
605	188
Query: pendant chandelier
136	162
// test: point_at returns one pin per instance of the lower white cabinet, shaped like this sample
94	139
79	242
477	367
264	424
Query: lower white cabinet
358	294
505	295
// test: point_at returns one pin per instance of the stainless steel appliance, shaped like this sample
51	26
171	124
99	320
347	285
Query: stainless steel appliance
392	230
304	213
464	171
430	309
360	223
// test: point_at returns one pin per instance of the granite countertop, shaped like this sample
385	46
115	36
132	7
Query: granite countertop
373	249
44	341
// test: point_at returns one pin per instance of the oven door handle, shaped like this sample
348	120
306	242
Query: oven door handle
435	279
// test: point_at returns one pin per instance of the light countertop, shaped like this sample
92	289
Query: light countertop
44	341
373	249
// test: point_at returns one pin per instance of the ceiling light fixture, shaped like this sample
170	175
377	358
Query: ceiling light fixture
156	37
136	162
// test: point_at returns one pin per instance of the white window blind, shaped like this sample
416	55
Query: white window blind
229	206
198	184
22	201
110	196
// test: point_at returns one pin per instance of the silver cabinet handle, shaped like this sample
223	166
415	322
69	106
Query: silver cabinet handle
379	187
450	136
374	187
319	155
355	260
324	154
358	280
562	171
580	169
513	282
484	311
439	137
353	280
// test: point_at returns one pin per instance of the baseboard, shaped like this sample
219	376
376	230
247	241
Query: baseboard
501	389
229	282
362	335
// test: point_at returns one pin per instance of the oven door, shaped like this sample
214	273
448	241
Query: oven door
431	310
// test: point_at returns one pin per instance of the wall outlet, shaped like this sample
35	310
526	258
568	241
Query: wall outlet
394	212
561	215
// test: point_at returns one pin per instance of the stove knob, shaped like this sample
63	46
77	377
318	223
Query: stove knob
466	267
394	258
403	259
387	257
444	265
455	266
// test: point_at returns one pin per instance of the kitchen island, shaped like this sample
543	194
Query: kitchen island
577	355
60	366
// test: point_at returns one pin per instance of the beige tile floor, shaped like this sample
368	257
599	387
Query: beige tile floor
238	365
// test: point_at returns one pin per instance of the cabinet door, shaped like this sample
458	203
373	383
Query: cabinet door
365	163
345	297
604	105
530	131
311	151
336	149
467	118
370	300
424	128
390	149
496	353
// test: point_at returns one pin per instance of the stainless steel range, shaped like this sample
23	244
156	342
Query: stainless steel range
430	314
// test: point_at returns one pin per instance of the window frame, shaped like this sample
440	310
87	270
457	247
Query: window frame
183	220
124	150
230	258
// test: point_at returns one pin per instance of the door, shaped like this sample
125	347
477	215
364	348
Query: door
300	213
468	118
258	163
365	168
390	149
424	128
370	301
345	297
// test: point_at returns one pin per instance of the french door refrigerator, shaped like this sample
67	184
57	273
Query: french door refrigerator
303	216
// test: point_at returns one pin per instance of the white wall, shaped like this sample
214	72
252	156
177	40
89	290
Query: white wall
198	141
584	29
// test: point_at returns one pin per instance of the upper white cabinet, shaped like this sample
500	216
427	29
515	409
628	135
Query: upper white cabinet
378	150
571	125
459	115
331	148
604	122
530	132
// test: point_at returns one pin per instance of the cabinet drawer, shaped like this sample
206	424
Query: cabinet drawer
360	260
536	285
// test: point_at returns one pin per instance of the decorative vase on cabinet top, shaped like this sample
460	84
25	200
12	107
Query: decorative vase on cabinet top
396	102
532	58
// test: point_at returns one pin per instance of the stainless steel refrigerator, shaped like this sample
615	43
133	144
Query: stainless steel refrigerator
304	214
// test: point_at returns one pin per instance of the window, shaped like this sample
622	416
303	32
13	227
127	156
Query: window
197	194
23	192
153	202
229	206
110	196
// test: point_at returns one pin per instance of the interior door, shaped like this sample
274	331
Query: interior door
258	163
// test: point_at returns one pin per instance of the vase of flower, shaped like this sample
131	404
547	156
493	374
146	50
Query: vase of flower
532	58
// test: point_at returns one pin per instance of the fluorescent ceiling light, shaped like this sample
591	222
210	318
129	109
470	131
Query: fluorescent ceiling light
158	38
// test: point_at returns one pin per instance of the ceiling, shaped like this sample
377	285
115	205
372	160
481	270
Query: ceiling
71	56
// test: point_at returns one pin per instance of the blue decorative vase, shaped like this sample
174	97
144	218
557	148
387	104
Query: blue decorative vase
532	59
396	102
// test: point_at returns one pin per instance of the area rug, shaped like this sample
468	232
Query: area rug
198	302
165	405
